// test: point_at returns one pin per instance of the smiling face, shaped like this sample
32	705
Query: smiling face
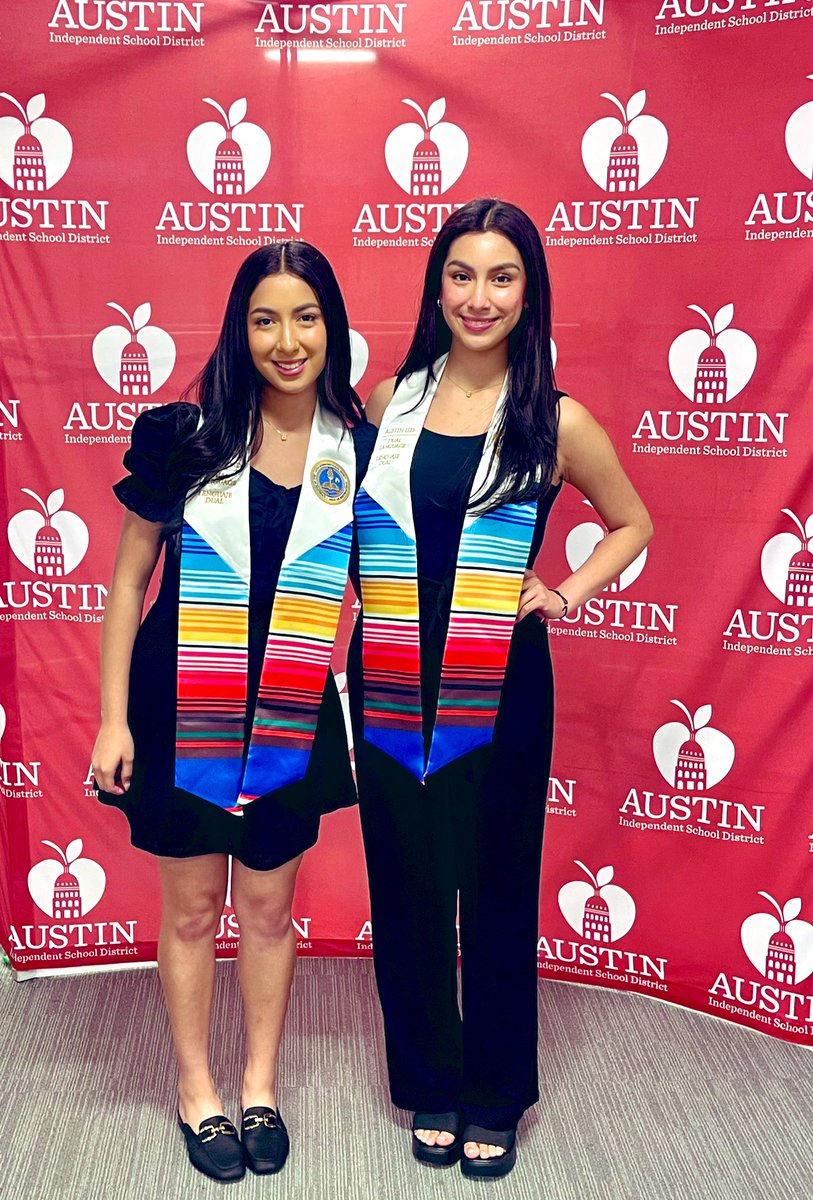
287	335
482	289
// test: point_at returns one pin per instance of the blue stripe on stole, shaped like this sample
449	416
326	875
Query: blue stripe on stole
214	779
280	764
452	741
406	748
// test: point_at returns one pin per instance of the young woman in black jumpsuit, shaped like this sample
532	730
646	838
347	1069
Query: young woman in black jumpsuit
281	368
471	833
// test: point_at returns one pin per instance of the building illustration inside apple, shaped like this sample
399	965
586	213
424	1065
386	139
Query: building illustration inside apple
623	155
35	151
426	159
787	563
778	944
598	911
711	366
692	756
229	156
67	887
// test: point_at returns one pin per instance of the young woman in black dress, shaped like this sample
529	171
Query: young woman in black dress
474	446
222	731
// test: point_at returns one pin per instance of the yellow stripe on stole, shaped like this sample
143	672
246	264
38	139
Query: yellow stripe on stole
481	590
221	626
298	614
389	598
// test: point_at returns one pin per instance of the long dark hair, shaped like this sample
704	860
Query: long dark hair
527	433
229	387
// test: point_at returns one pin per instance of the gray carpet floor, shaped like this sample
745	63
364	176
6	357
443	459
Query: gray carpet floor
641	1101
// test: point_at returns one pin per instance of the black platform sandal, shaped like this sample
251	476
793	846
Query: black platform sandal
489	1168
437	1156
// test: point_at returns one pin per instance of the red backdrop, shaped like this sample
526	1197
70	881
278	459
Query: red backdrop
146	147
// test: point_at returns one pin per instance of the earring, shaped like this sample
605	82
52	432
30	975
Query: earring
439	303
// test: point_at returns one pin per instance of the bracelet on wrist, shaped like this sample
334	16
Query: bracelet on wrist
563	613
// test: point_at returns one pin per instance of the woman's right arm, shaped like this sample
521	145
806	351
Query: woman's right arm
138	552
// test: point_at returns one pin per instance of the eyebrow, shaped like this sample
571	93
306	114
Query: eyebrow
457	262
299	309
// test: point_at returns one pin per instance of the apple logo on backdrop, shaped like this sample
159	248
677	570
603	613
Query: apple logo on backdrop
682	750
713	367
68	886
49	541
582	541
3	722
359	357
781	946
787	564
35	152
623	155
231	158
799	138
426	159
598	911
135	359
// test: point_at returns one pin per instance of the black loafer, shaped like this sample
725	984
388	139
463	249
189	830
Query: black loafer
265	1140
489	1168
215	1149
437	1156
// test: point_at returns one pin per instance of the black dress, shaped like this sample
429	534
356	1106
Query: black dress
474	829
166	820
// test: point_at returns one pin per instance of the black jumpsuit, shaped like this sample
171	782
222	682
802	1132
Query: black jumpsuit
474	828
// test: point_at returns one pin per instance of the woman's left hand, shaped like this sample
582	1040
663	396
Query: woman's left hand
537	598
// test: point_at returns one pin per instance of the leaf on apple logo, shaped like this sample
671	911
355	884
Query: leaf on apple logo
55	501
74	850
237	112
702	716
635	105
435	112
723	318
35	107
604	876
792	909
141	316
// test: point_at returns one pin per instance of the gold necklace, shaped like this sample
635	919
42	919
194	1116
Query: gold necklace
469	394
283	434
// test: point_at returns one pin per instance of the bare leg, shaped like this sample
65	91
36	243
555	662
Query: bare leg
266	962
194	893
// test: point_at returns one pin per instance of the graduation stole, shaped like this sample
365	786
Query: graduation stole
491	561
213	627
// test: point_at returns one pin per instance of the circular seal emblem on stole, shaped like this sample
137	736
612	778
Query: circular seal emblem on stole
330	481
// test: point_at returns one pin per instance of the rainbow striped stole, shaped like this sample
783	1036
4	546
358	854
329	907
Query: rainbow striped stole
213	628
492	557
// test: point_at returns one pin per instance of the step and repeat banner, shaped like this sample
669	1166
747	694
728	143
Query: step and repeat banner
665	149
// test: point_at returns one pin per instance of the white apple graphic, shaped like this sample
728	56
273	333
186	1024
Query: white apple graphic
451	142
69	533
88	874
582	541
646	140
758	930
53	138
718	749
2	727
738	351
359	356
799	138
109	344
779	551
253	144
573	898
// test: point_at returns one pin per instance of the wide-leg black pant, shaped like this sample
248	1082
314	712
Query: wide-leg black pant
473	830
